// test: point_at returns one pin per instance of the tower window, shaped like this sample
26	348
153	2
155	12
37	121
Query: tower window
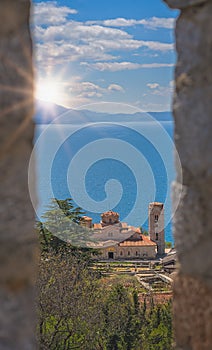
136	253
121	252
156	218
156	236
128	253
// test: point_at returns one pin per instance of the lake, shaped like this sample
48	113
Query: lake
121	165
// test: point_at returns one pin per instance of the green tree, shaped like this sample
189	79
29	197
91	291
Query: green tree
168	244
144	232
157	333
76	311
69	210
61	224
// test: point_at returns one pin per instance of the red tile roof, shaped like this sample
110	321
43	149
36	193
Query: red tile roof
135	229
156	204
145	241
86	218
97	226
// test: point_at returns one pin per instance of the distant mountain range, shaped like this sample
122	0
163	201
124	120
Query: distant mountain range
47	112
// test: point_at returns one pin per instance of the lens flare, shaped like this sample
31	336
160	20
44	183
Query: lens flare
48	90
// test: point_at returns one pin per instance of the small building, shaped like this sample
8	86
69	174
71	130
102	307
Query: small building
169	262
118	240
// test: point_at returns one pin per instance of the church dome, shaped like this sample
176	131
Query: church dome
109	218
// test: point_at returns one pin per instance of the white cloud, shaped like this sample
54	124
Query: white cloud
152	85
75	42
156	22
61	40
152	23
132	44
172	84
84	90
92	41
120	66
53	53
160	90
153	107
115	87
49	12
118	22
113	66
75	31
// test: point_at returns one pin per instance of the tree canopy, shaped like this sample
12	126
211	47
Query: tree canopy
60	225
77	311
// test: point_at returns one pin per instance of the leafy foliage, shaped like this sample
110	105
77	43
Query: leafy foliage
75	309
168	244
77	312
60	226
144	232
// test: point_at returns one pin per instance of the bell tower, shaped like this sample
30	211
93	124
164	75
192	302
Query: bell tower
156	226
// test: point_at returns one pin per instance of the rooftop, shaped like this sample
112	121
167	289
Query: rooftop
110	213
86	218
144	241
159	204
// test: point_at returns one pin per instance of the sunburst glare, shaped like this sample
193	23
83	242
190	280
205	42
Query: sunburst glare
49	90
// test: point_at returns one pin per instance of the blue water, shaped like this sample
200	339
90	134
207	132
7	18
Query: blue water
125	168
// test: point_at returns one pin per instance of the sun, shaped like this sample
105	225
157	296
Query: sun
48	90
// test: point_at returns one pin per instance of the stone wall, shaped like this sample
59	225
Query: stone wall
17	239
143	252
193	129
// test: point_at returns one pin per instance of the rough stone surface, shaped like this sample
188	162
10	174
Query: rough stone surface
17	239
193	220
181	4
193	313
193	127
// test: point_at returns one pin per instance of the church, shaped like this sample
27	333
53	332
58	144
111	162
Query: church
118	240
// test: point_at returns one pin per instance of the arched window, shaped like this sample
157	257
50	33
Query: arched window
129	253
121	253
136	253
156	218
156	236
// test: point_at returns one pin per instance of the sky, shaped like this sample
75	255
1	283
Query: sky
93	51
